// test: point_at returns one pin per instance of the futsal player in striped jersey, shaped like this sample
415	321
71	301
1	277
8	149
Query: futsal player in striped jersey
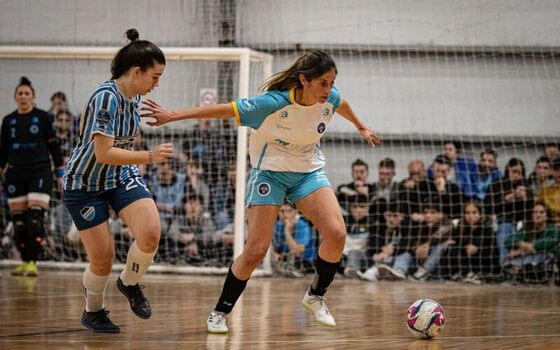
102	171
288	121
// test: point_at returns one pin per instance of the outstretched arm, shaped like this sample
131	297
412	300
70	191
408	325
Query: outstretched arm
163	116
367	133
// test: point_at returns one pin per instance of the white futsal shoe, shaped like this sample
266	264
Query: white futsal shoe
317	305
217	323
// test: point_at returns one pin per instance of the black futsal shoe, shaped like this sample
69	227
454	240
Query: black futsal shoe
99	321
138	302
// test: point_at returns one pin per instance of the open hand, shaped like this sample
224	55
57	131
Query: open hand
370	136
150	109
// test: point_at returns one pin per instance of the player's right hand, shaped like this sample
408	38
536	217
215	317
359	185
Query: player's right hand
162	153
150	109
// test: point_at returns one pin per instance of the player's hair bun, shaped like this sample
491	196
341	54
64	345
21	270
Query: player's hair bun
132	34
24	81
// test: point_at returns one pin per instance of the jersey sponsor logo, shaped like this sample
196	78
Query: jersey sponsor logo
123	142
34	129
284	115
325	112
263	188
103	118
35	120
13	121
248	106
321	127
88	213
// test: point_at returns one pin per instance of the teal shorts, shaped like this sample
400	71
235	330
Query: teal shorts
273	187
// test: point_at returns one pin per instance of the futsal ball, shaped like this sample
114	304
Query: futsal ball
425	318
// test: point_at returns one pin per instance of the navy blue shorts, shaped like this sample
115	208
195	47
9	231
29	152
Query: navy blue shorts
18	185
91	208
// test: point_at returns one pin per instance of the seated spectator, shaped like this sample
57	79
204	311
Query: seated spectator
473	252
426	247
541	175
385	190
192	232
168	188
552	151
439	191
534	244
416	173
463	171
359	225
488	173
550	195
194	181
389	238
359	185
294	245
222	202
509	200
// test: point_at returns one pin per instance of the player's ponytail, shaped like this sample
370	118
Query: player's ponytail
23	81
137	53
311	64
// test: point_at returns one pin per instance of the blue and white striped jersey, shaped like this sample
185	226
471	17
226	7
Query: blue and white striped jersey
109	113
286	136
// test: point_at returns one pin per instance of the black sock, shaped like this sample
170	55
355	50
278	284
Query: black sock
233	287
324	275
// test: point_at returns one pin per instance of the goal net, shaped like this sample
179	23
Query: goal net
466	81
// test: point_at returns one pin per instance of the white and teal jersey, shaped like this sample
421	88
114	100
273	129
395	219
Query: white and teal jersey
109	113
286	136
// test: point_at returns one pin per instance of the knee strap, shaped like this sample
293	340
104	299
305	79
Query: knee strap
36	221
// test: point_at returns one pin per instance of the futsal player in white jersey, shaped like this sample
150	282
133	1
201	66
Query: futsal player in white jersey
288	121
102	171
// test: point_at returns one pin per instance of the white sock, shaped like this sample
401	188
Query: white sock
137	262
94	290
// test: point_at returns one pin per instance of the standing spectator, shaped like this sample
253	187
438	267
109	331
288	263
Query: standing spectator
463	171
534	244
552	151
27	142
474	251
488	173
59	103
385	190
509	200
63	129
550	195
359	185
293	242
542	175
359	226
440	191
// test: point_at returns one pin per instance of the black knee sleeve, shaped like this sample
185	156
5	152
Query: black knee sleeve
36	221
19	220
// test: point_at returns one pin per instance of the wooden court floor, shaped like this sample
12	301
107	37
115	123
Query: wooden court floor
44	313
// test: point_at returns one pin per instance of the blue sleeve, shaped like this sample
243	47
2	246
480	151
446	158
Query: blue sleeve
334	98
253	111
104	113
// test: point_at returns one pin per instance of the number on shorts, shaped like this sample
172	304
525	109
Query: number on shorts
133	182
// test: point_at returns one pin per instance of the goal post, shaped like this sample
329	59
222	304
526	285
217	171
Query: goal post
253	67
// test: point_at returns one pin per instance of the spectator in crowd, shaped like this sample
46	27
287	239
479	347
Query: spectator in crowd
509	200
488	173
222	201
389	238
359	226
440	191
27	143
550	195
474	251
63	131
194	181
552	151
294	244
58	104
407	193
534	244
385	190
541	175
122	236
139	144
462	171
426	246
192	232
359	185
168	188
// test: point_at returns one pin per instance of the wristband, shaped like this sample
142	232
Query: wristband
59	172
150	158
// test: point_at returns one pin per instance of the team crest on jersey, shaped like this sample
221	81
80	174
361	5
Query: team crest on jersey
263	188
321	127
88	213
34	129
103	118
325	112
284	115
11	189
13	121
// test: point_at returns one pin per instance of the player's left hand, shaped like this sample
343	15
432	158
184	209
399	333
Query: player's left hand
370	136
150	109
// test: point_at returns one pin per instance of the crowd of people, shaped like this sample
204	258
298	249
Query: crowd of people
456	218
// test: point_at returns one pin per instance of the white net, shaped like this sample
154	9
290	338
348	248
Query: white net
485	76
